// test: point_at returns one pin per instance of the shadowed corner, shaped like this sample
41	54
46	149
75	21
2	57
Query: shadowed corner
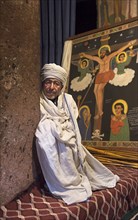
36	169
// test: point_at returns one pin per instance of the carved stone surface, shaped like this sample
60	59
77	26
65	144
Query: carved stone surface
19	93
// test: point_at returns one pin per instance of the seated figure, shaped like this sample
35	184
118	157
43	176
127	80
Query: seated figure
70	171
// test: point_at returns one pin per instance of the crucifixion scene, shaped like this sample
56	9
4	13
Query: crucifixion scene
103	69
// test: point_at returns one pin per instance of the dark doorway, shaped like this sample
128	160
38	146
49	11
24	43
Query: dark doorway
86	16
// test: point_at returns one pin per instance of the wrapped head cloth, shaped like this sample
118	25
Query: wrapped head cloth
53	70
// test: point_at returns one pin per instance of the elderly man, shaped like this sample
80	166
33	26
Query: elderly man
69	170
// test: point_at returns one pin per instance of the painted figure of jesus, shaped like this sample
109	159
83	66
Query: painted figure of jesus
105	73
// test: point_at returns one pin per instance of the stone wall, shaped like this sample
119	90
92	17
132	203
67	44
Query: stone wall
19	93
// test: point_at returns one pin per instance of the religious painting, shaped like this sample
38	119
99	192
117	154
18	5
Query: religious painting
111	12
104	83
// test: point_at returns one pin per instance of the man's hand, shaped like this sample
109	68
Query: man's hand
131	43
82	55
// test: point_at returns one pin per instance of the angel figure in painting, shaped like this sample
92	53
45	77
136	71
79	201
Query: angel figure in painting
105	72
123	75
85	68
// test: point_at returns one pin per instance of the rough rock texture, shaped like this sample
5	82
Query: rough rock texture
19	93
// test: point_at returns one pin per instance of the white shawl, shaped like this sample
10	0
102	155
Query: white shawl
70	171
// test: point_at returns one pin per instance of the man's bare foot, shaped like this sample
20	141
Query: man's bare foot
98	115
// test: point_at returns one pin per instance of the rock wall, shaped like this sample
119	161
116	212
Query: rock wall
19	93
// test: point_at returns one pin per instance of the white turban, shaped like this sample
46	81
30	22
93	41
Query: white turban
52	70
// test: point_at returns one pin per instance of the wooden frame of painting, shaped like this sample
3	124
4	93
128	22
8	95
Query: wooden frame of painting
103	80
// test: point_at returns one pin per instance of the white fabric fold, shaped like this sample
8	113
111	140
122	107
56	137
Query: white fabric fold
70	171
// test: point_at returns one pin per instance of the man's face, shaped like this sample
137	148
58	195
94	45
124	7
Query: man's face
118	109
84	64
52	88
121	57
102	53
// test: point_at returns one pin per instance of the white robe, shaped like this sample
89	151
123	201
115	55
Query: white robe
70	171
